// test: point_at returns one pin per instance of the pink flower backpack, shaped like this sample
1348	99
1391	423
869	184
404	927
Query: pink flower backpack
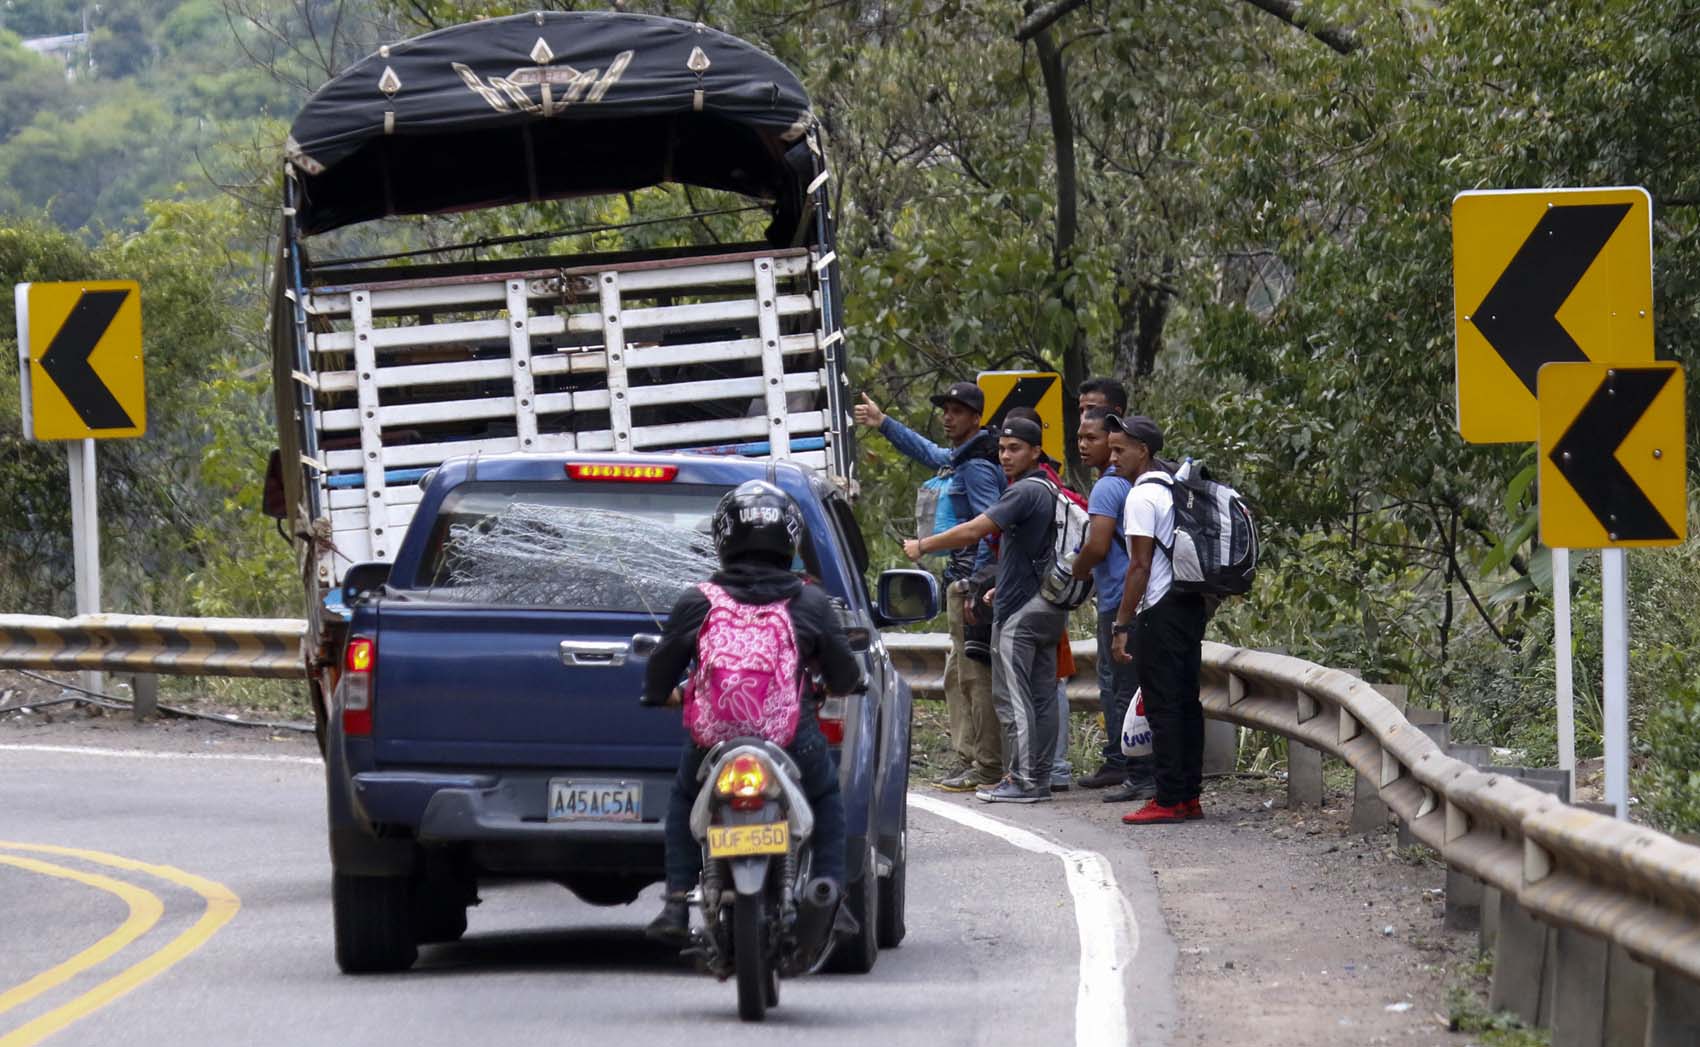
746	682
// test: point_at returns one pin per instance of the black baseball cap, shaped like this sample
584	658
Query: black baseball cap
965	393
1137	426
1026	431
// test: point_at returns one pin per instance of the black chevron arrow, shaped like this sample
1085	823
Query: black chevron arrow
1587	455
67	361
1026	392
1519	315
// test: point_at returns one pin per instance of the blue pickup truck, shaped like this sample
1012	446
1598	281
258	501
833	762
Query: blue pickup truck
485	720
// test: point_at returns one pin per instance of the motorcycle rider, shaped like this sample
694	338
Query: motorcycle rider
757	528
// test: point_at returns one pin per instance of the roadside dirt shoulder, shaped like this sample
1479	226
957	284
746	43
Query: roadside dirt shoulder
1292	930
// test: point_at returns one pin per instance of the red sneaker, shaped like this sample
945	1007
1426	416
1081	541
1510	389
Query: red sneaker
1154	813
1194	809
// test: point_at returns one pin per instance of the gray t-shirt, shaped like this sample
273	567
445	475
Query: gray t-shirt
1024	515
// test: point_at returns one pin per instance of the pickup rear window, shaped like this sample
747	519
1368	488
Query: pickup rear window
579	545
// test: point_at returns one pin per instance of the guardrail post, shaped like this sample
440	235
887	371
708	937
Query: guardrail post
1463	901
1674	1019
144	696
1629	996
1520	964
1369	813
1221	747
1580	987
1304	775
1489	937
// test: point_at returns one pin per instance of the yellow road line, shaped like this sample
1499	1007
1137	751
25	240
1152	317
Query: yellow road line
222	905
145	911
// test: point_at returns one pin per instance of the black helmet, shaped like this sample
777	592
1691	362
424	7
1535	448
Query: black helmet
757	518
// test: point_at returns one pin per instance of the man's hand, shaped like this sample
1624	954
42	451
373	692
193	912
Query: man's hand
868	413
675	699
1119	648
991	594
911	546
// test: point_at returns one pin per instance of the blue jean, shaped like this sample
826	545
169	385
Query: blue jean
820	785
1116	683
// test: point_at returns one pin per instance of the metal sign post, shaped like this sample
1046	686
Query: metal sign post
1614	596
85	537
1561	643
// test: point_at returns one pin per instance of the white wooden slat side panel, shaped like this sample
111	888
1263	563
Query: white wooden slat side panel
366	396
519	352
353	498
394	519
350	547
711	274
772	362
725	430
457	333
592	361
745	389
480	331
412	455
421	414
446	373
614	343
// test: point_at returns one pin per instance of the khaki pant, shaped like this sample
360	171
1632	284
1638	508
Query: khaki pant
975	735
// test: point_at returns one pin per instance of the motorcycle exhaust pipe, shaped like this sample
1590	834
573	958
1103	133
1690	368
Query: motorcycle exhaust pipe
815	912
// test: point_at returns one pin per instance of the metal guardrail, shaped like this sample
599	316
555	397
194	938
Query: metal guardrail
1569	866
133	643
1622	883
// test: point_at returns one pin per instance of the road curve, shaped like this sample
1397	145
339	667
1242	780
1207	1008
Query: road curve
994	953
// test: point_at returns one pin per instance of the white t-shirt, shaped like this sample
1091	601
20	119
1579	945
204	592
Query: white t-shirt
1149	512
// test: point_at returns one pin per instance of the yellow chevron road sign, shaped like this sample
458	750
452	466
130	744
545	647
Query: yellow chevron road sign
1544	276
80	360
1613	472
1040	390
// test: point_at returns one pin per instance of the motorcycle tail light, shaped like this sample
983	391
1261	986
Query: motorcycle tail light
743	778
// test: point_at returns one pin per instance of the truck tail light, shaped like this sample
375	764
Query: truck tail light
632	474
354	690
832	719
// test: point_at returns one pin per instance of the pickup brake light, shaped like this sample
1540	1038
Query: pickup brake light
635	474
831	719
354	690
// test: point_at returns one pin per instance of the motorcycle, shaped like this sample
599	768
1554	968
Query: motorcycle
763	917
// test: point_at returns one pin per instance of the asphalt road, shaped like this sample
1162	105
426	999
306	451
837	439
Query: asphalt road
995	953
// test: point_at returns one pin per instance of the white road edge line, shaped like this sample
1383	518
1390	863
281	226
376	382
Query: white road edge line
151	754
1109	934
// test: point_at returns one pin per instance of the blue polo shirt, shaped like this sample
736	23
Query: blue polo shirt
1106	499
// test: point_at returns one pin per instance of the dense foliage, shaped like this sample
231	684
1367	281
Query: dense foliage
1245	217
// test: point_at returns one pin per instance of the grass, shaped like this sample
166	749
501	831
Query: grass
929	744
1468	1010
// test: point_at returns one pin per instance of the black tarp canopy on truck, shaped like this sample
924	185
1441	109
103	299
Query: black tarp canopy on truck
550	105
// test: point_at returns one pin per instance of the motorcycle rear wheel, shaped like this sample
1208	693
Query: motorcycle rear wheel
749	952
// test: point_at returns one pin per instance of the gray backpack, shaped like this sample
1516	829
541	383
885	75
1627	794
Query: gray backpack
1214	551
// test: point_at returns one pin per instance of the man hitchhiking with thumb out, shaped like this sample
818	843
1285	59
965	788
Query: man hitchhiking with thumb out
969	480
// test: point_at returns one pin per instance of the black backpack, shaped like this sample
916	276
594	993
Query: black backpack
1214	550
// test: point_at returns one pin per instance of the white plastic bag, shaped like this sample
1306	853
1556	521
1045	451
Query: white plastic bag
1136	730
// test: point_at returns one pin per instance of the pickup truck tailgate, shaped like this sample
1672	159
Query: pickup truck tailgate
516	687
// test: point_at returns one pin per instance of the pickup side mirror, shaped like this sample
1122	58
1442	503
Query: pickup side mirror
362	579
907	596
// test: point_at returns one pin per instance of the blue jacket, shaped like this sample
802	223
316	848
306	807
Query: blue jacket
976	480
